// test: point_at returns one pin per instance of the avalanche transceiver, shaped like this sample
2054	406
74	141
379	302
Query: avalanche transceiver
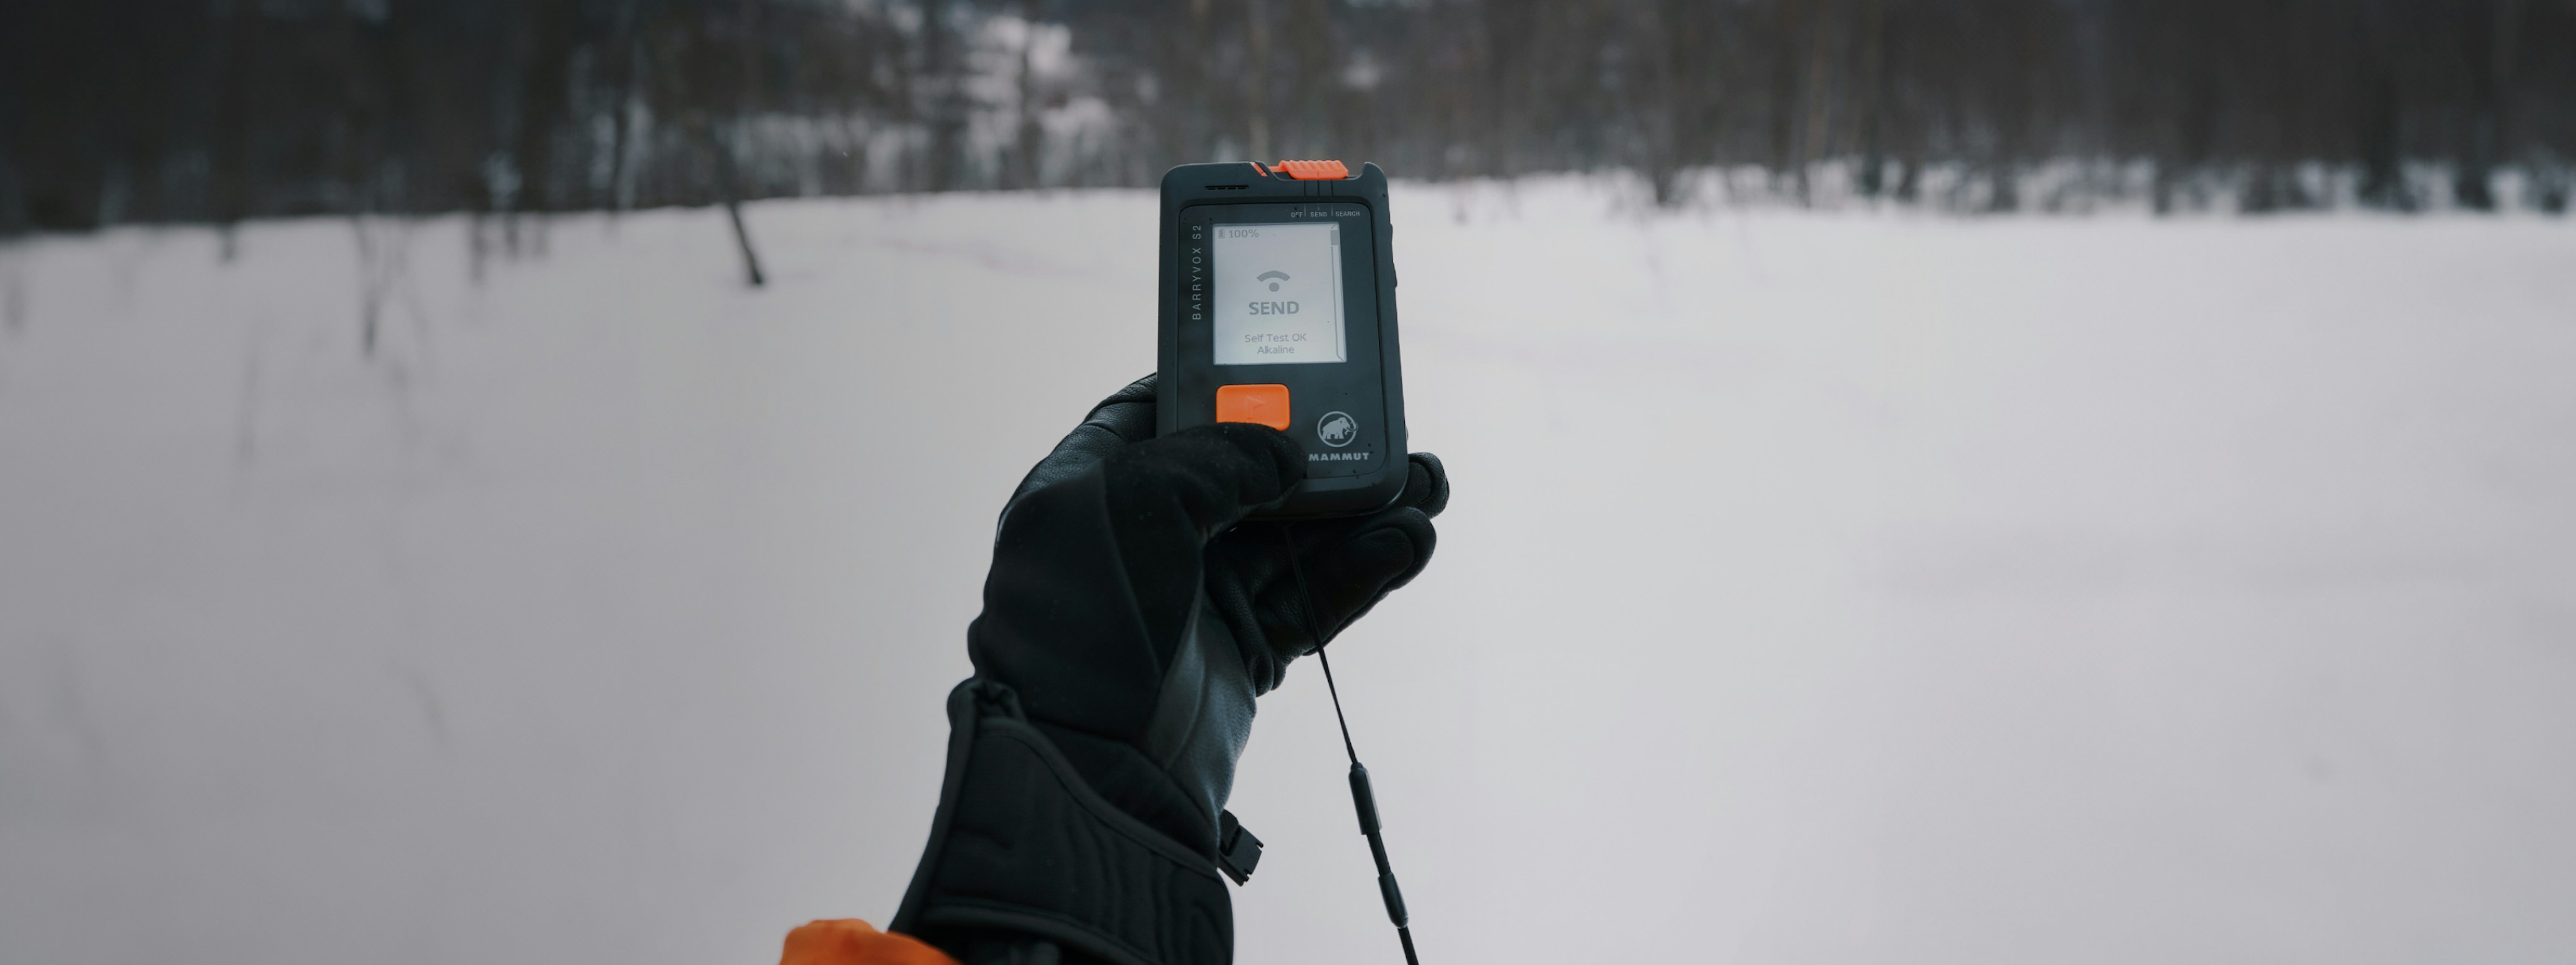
1278	307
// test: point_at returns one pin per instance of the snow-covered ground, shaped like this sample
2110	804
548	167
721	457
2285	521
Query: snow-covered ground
1826	588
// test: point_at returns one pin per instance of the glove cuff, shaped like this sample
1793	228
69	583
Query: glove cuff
1021	843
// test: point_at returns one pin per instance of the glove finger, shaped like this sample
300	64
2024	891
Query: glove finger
1128	412
1346	578
1187	487
1426	485
1125	418
1426	488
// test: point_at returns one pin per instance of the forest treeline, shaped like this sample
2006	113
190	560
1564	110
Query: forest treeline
220	110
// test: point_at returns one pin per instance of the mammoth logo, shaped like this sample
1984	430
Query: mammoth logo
1337	429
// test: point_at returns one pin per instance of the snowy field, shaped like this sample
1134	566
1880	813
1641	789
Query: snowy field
1818	588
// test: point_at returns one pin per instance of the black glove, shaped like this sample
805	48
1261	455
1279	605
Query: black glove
1130	618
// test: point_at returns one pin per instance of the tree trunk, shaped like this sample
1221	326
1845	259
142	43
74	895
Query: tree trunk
732	192
1256	99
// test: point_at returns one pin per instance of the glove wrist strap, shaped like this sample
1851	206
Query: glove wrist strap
1022	844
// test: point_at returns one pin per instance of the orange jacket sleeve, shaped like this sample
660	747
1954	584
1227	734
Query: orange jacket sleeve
849	941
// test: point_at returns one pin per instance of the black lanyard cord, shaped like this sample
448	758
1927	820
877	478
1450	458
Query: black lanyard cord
1362	798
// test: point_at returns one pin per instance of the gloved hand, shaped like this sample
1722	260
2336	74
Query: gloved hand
1130	618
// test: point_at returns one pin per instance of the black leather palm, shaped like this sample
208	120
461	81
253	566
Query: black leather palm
1137	616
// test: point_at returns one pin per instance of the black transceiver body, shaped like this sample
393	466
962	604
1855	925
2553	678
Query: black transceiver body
1278	307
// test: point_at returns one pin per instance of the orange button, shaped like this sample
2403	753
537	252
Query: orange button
1263	404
